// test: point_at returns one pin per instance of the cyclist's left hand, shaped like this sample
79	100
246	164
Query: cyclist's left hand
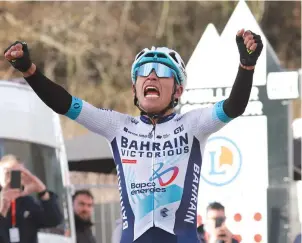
250	46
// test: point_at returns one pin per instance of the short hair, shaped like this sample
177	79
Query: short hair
215	206
9	158
82	192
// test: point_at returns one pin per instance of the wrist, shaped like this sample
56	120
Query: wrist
44	194
247	67
45	197
41	189
30	71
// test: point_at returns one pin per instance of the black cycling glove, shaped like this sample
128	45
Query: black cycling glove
247	57
22	63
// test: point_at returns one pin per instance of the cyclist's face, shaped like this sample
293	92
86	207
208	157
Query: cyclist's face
154	93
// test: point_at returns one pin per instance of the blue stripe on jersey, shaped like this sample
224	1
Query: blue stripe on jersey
128	233
186	214
219	112
75	108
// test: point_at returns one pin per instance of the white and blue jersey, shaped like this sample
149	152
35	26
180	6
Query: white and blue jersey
158	167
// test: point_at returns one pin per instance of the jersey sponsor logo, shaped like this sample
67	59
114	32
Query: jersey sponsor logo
166	136
145	187
162	136
179	118
163	212
129	161
179	129
164	177
133	120
191	211
104	109
133	148
159	175
123	209
135	134
76	105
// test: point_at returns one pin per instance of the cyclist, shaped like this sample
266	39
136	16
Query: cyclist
158	155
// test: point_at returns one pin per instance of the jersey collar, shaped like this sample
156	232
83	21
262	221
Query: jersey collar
163	119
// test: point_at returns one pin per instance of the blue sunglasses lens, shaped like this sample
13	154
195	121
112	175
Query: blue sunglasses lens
161	70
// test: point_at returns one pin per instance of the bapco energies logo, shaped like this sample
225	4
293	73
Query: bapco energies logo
164	177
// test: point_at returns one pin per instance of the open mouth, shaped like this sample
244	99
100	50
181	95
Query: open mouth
151	91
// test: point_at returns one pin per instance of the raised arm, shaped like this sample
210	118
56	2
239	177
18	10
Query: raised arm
250	47
212	119
53	95
58	99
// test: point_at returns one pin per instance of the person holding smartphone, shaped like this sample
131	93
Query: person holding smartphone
215	229
201	233
20	215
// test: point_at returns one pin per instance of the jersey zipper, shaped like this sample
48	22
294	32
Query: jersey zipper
152	132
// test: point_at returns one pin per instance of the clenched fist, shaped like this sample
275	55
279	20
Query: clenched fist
18	56
250	46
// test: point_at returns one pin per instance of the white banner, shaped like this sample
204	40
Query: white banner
235	173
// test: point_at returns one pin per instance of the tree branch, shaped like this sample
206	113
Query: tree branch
124	18
38	36
163	20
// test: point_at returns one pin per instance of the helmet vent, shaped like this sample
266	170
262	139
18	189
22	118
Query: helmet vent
139	55
149	55
173	56
161	55
183	65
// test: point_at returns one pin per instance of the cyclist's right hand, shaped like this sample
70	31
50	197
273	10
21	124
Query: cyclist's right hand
18	56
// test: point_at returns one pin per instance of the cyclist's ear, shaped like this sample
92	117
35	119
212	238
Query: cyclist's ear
178	92
133	89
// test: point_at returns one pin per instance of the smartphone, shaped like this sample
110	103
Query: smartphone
219	221
15	179
200	229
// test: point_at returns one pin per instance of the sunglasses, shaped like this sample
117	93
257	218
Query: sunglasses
161	70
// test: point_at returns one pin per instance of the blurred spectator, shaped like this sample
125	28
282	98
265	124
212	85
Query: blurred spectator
214	233
83	202
21	215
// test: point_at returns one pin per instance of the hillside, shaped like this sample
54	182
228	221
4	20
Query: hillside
88	47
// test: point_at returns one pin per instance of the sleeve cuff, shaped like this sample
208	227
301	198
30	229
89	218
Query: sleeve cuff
52	196
75	108
219	113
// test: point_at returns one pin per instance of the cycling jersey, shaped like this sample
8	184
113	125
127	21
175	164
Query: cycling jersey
158	166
